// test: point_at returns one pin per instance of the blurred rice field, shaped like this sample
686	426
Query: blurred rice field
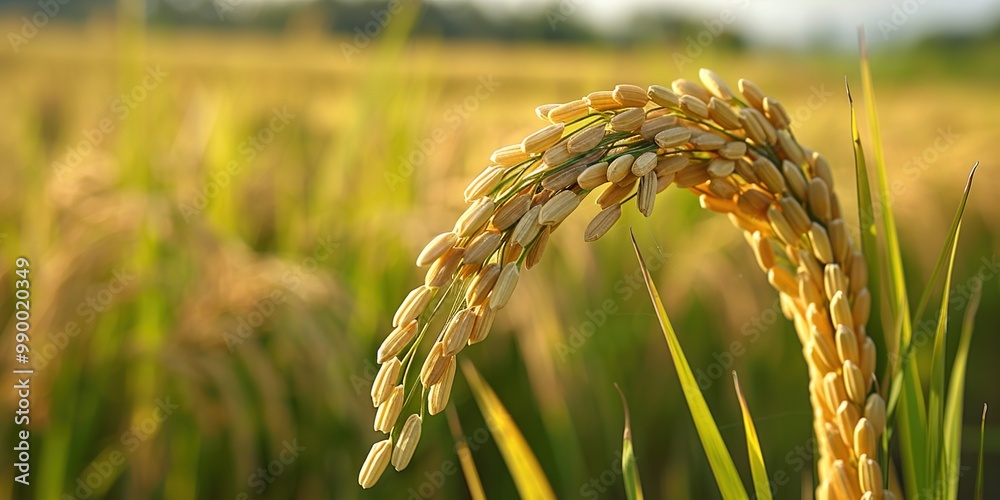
221	225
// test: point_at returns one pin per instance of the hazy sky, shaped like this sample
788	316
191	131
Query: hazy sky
788	21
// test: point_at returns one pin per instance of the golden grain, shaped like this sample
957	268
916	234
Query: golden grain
396	341
776	113
506	216
796	181
820	242
411	307
558	208
655	125
482	284
542	139
538	247
615	193
662	96
556	155
484	183
795	215
440	392
782	280
838	239
819	199
586	139
389	410
482	246
723	188
628	120
670	164
602	222
720	167
781	226
434	365
508	156
644	164
593	176
444	268
751	127
456	334
602	100
862	306
752	93
864	438
385	380
474	217
564	178
821	169
695	173
484	321
436	248
504	286
694	106
684	87
875	412
570	111
407	443
620	168
716	85
672	137
375	463
791	148
527	228
840	310
859	272
847	418
632	96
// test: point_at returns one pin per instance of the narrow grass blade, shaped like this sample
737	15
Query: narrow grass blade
730	484
528	476
912	413
982	442
630	472
761	484
465	456
896	289
936	429
956	395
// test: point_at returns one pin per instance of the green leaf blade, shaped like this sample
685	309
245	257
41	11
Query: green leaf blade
719	459
761	484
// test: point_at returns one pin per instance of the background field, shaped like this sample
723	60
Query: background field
215	265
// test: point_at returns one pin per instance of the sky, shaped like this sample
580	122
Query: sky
785	22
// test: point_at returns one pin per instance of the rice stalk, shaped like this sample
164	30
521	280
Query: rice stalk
736	152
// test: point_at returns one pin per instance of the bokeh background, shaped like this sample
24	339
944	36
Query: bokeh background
222	202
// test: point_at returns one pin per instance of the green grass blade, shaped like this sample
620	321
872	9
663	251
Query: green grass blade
982	443
721	462
956	395
896	289
528	476
912	413
761	483
939	457
630	472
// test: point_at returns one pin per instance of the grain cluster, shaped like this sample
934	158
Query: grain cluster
735	151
